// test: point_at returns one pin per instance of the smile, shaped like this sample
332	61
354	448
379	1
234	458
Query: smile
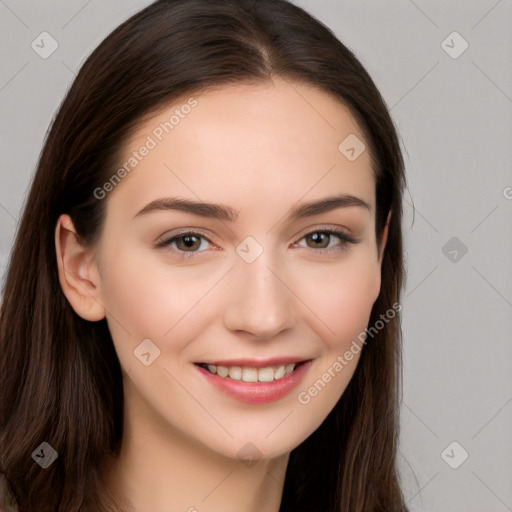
248	374
254	383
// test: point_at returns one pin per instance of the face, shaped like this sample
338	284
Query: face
252	290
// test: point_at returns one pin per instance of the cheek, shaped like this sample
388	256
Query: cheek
152	300
342	296
134	297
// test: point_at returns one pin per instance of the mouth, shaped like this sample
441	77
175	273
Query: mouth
255	382
249	373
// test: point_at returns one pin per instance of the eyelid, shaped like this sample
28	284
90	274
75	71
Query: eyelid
330	228
166	238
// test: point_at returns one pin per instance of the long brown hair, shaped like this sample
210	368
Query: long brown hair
62	381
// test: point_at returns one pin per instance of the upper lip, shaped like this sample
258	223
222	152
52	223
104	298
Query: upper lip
256	363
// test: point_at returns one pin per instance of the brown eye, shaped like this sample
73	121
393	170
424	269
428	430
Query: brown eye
188	242
322	240
319	239
185	244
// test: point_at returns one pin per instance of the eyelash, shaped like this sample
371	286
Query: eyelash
345	241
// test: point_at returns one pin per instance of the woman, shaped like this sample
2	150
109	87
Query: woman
201	310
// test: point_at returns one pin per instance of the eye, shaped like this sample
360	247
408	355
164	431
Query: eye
321	240
186	244
189	243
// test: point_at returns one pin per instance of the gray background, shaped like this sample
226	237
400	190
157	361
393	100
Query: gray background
454	116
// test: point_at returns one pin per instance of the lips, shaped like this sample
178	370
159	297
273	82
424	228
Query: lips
255	381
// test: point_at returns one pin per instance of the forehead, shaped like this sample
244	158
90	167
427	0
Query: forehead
239	143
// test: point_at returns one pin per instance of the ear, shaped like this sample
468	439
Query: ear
384	238
78	275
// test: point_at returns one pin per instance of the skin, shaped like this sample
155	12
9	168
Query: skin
260	149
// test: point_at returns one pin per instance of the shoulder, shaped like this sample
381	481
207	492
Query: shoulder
7	501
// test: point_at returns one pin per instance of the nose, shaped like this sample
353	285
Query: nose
259	300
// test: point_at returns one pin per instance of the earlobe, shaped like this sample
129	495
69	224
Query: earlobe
78	274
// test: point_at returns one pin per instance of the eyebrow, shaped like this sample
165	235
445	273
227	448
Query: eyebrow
227	213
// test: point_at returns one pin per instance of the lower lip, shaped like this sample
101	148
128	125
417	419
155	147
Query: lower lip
257	392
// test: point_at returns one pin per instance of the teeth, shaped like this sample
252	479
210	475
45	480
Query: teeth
222	371
235	373
248	374
266	374
279	373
